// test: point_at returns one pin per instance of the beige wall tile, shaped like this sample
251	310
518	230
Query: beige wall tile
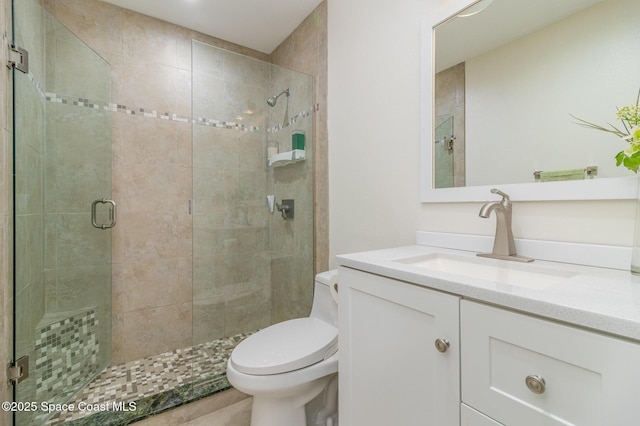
153	86
143	140
149	236
208	319
149	39
98	24
305	50
146	332
148	284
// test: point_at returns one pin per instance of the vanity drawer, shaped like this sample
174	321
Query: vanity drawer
525	371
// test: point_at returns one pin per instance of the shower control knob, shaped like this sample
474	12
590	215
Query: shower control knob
442	345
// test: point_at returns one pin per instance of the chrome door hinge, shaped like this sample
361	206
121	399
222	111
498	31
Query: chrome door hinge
18	58
18	370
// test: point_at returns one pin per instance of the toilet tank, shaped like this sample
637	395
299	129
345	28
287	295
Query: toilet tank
324	306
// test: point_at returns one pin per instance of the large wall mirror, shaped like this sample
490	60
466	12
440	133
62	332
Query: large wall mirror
501	81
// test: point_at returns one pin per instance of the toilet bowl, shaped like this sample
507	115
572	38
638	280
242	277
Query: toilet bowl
290	368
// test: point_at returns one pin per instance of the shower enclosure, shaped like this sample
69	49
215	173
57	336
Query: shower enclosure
62	157
449	132
84	283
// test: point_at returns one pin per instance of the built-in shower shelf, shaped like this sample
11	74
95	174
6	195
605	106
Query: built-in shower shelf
284	158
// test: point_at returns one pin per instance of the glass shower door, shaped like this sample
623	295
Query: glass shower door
62	212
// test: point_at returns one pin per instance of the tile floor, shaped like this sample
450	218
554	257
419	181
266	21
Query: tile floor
238	414
154	375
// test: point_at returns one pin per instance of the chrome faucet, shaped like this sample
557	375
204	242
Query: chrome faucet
504	247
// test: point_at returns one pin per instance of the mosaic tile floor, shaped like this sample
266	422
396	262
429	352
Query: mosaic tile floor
155	375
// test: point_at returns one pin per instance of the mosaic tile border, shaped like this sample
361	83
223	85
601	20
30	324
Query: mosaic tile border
155	384
295	118
149	113
66	352
36	83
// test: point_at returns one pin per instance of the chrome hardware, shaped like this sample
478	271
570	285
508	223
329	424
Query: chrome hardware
271	200
442	345
535	384
448	144
18	58
286	208
18	370
113	214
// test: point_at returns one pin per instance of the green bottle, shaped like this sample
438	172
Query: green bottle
297	139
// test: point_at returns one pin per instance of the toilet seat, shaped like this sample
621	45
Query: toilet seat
286	346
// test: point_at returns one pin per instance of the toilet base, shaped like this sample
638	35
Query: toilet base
271	413
286	410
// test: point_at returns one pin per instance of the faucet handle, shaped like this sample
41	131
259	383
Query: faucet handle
506	201
505	197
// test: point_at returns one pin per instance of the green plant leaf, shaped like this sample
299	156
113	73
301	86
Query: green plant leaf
632	163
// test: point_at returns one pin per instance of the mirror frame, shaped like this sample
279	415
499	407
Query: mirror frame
614	188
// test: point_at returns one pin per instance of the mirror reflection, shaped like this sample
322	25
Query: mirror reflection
508	78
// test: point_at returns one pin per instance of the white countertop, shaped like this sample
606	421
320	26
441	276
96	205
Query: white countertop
602	299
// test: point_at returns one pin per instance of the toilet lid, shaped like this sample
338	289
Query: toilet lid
286	346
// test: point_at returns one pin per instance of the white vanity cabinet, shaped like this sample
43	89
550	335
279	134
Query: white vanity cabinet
520	370
471	417
399	353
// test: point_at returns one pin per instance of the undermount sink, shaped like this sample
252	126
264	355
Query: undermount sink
520	275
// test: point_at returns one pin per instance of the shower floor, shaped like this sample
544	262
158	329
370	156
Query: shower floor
155	383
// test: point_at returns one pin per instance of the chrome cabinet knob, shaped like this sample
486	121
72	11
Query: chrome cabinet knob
442	345
535	384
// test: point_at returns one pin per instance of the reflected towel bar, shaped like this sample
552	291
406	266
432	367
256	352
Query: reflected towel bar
591	172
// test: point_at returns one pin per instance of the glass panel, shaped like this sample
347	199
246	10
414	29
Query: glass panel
63	163
443	152
251	268
291	240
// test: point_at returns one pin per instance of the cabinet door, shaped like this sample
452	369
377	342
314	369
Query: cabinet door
526	371
391	372
471	417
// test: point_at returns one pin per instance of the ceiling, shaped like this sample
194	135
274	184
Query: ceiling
503	21
258	24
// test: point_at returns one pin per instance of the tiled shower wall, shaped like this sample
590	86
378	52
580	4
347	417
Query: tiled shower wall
152	172
163	57
152	175
450	101
305	51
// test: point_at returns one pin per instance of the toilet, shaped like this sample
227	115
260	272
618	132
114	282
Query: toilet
291	368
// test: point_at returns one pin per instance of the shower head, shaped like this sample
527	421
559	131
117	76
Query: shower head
273	99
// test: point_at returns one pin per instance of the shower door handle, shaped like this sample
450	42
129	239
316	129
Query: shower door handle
113	214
